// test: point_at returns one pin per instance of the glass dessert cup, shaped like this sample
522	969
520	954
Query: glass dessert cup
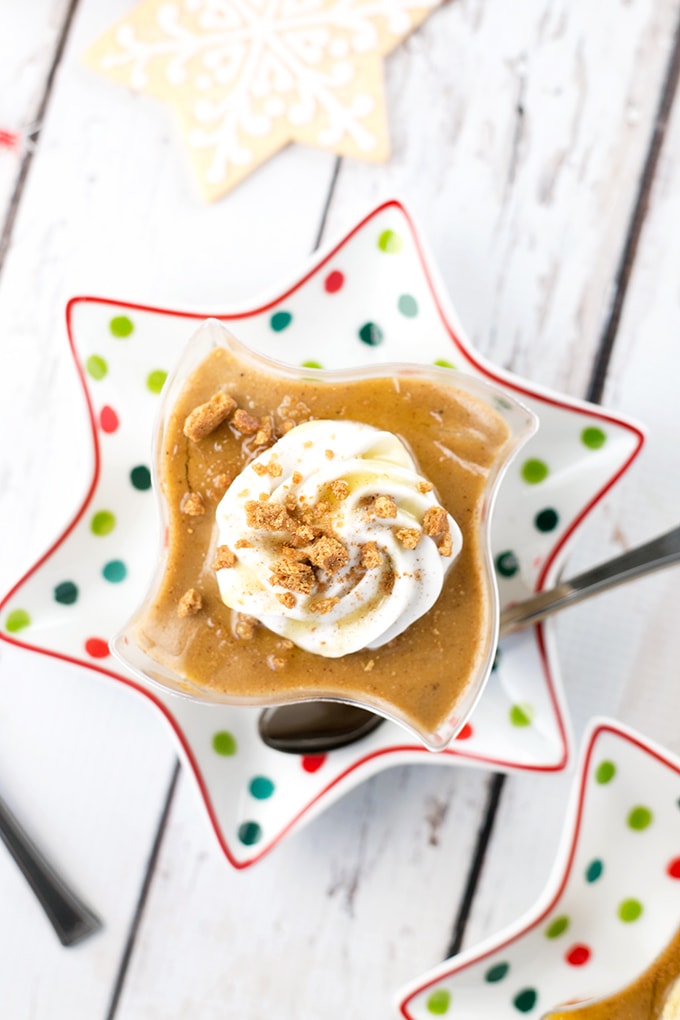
346	678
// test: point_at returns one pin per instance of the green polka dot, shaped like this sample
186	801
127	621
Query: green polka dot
546	520
155	380
17	620
261	788
280	321
534	471
224	743
407	305
593	437
605	772
525	1000
66	593
312	364
443	363
507	563
390	242
96	366
438	1002
639	818
497	972
249	833
594	870
121	326
103	523
557	927
629	910
114	571
521	715
140	477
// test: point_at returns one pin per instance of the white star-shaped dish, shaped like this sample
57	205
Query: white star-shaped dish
374	297
612	905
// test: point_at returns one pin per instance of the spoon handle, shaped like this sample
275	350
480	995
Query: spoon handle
660	552
70	918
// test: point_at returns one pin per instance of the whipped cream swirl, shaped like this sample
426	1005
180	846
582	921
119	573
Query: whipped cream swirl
332	538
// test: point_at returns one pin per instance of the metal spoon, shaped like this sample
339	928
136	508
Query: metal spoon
70	918
315	727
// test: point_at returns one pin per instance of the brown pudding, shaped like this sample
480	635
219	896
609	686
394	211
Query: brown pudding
228	412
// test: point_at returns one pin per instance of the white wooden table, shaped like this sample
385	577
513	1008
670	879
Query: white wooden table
538	144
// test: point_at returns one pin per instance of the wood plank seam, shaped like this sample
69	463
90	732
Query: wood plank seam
32	136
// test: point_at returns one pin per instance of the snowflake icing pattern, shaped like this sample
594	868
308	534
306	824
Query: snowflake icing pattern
246	77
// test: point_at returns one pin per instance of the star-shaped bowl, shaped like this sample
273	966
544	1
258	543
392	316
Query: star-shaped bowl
611	908
375	297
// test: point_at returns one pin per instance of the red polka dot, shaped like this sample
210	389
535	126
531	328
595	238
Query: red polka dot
578	955
313	762
465	733
97	647
334	281
673	868
108	419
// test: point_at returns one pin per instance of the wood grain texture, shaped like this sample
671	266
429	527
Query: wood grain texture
519	136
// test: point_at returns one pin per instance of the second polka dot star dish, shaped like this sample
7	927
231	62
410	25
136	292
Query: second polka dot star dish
81	592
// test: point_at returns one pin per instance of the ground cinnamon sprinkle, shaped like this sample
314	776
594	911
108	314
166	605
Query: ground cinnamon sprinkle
205	418
190	603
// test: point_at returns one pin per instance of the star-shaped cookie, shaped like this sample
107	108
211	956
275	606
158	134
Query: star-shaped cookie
246	77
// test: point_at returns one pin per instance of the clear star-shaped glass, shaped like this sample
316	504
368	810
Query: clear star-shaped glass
377	298
156	659
610	910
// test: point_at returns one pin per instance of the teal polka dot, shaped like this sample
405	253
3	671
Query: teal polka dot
594	870
407	305
114	571
525	1000
66	593
250	833
280	321
546	520
224	743
390	242
497	972
557	927
17	620
371	334
96	367
534	471
156	380
629	910
261	787
605	772
507	563
594	438
438	1002
639	818
140	477
103	523
121	326
521	715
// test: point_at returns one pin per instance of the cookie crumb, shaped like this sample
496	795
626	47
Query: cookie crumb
340	489
192	504
287	599
265	516
370	556
293	575
425	486
245	423
205	418
324	606
435	521
276	662
329	554
190	603
245	626
224	558
409	537
384	506
445	545
369	665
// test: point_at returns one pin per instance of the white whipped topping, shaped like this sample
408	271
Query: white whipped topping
354	602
